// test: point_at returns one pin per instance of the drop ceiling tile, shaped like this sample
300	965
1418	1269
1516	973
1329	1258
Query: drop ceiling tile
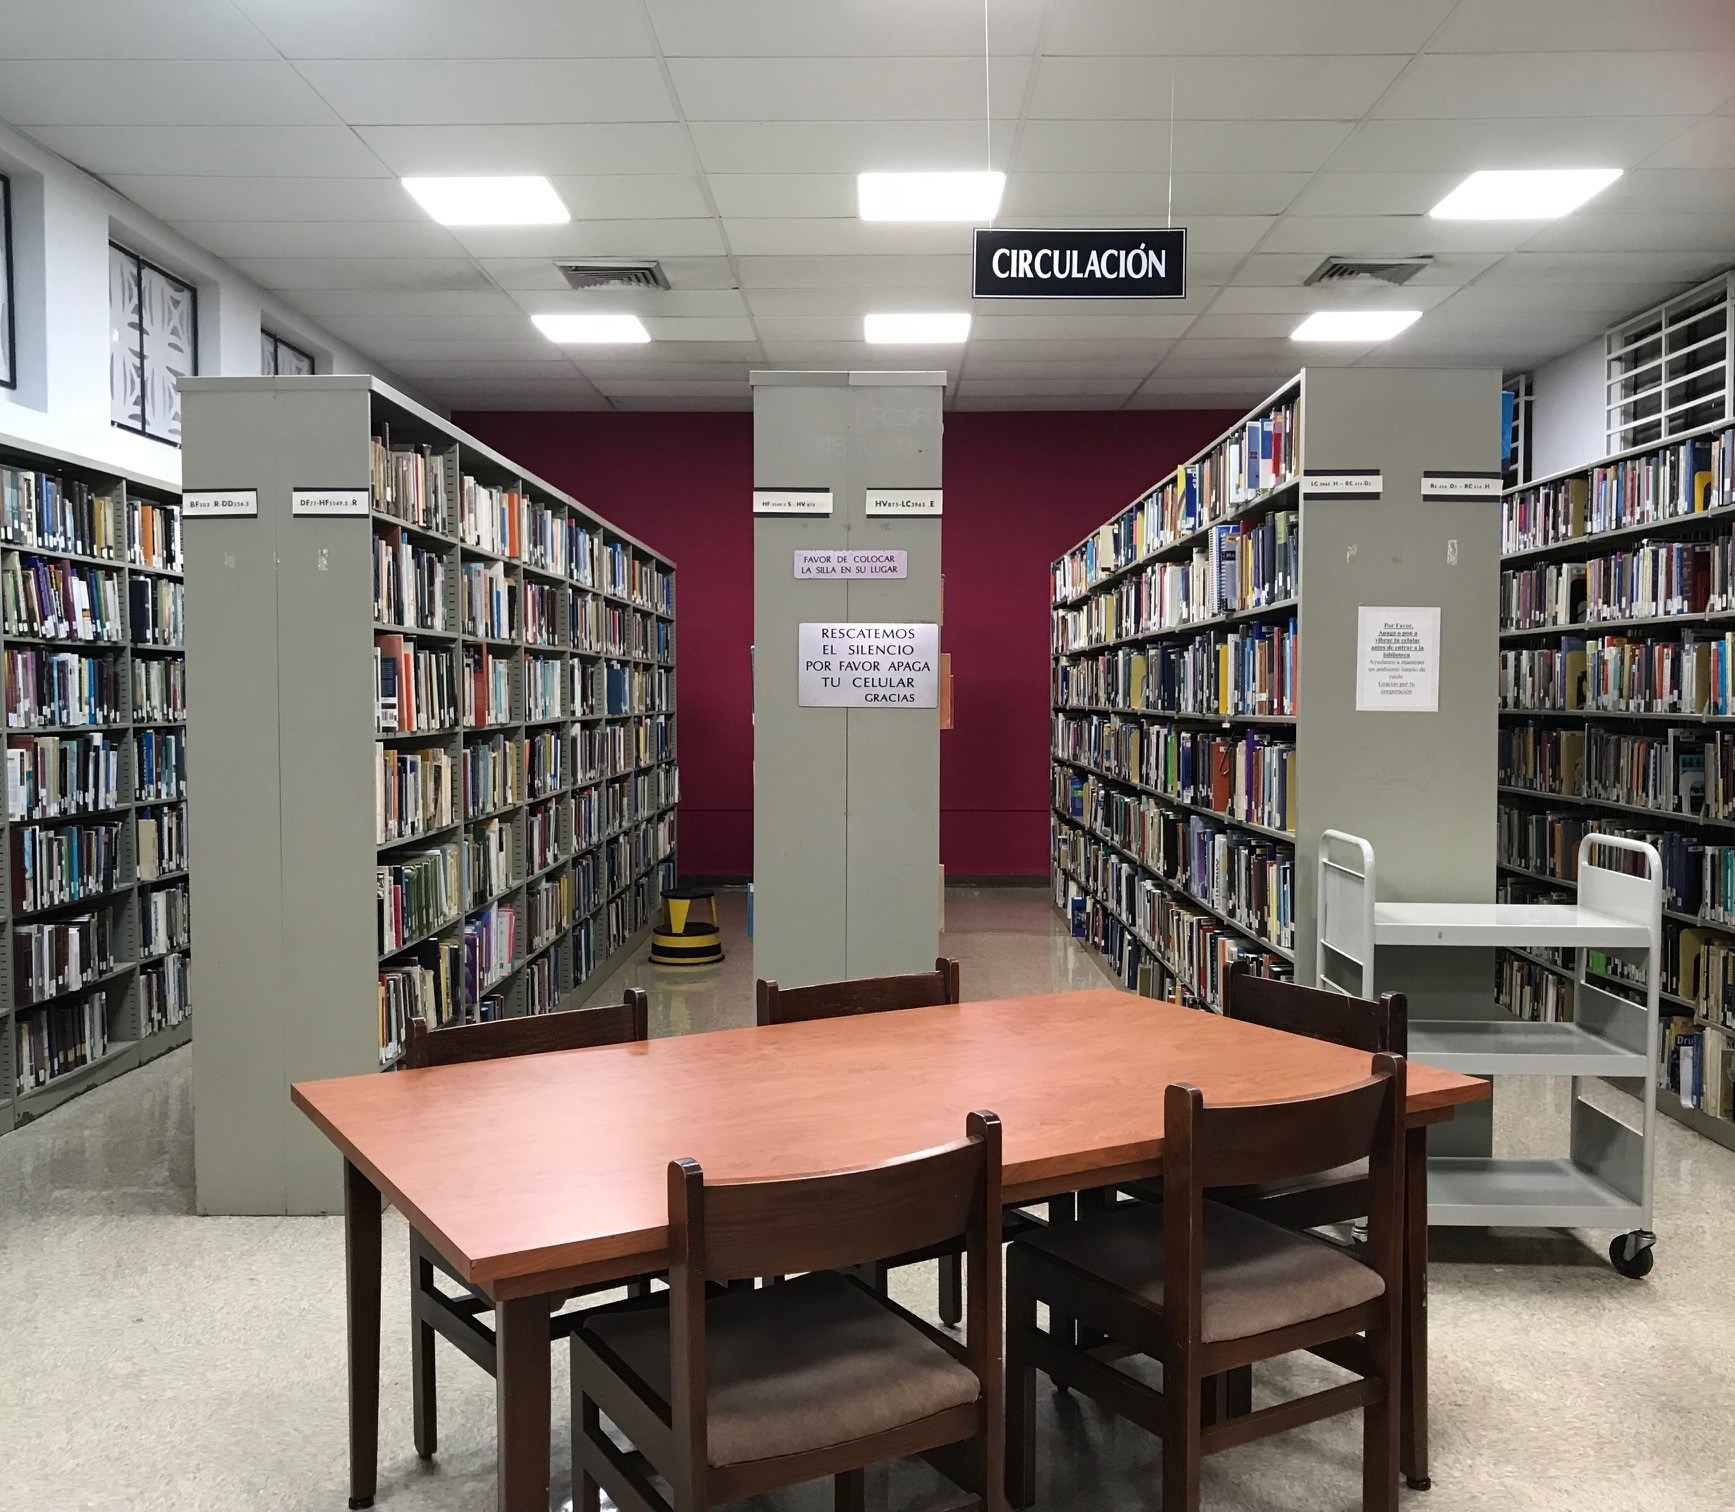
1363	194
481	314
1240	27
207	92
1290	301
715	304
596	238
842	146
698	272
421	274
984	361
950	272
1505	141
389	29
822	88
680	388
1317	87
603	371
783	196
406	344
1638	231
1286	270
1066	324
177	29
834	356
795	28
240	151
1207	235
1145	196
1692	190
1184	393
1458	87
843	238
323	239
1703	144
1612	302
531	91
1200	146
1485	26
1607	267
1123	349
1394	235
174	197
479	370
808	328
685	328
970	386
854	302
1565	327
634	196
559	150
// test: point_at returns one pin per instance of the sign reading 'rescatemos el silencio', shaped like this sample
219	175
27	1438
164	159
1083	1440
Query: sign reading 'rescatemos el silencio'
849	665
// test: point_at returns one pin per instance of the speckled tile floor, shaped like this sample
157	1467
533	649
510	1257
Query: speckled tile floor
153	1360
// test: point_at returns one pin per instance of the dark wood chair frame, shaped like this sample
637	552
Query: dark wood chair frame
1207	1147
457	1318
723	1234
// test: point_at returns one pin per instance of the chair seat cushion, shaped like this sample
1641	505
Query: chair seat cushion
1257	1276
797	1366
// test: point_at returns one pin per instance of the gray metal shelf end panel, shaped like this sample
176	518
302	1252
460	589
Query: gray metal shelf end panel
1516	1047
1480	1192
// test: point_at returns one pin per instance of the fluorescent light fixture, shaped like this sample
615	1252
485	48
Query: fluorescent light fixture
1523	193
937	329
528	201
1354	325
928	196
592	330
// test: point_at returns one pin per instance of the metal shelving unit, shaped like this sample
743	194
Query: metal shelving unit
1605	1179
130	1038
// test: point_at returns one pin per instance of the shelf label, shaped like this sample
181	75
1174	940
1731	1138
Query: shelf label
1445	487
1118	263
792	501
1344	483
903	501
330	501
1397	659
827	565
219	502
852	665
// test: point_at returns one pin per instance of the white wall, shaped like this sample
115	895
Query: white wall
63	220
1567	411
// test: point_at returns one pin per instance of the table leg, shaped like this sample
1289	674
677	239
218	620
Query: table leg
361	1252
1413	1420
521	1403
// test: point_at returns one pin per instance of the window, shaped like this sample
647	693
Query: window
153	340
8	337
278	357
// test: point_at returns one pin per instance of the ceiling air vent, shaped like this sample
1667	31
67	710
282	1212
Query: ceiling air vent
1390	270
613	275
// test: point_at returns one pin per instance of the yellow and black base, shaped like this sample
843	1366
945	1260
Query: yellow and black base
683	939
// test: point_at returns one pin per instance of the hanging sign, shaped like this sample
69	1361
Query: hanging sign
1343	483
219	502
330	501
792	501
868	666
1075	264
1397	664
903	501
828	565
1445	487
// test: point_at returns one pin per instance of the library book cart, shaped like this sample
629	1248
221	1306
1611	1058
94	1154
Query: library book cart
1604	1181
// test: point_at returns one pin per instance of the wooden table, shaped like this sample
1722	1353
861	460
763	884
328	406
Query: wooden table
535	1175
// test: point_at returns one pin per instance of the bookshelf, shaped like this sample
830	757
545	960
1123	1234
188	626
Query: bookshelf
452	720
1191	780
94	976
1617	717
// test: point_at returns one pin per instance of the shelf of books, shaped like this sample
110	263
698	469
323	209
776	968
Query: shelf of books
94	977
1618	716
1174	701
475	705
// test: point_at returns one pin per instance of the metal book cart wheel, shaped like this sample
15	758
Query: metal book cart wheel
684	936
1605	1180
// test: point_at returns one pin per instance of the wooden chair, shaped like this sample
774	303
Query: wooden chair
455	1319
1206	1289
917	989
728	1394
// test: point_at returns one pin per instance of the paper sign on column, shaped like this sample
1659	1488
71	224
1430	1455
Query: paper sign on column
845	563
853	665
1397	659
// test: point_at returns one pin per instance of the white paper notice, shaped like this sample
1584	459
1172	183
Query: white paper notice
852	564
1397	659
849	665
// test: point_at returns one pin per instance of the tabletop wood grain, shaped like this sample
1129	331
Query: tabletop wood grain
550	1170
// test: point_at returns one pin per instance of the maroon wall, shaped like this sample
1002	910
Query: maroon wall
1020	488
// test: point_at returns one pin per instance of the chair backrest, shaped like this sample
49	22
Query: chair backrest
621	1023
919	989
1239	1144
1373	1025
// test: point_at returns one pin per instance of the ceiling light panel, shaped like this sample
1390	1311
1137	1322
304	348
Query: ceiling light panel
1533	194
1354	325
929	329
929	196
507	201
592	329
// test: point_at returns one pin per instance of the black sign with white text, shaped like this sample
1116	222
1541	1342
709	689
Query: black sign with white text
1074	264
